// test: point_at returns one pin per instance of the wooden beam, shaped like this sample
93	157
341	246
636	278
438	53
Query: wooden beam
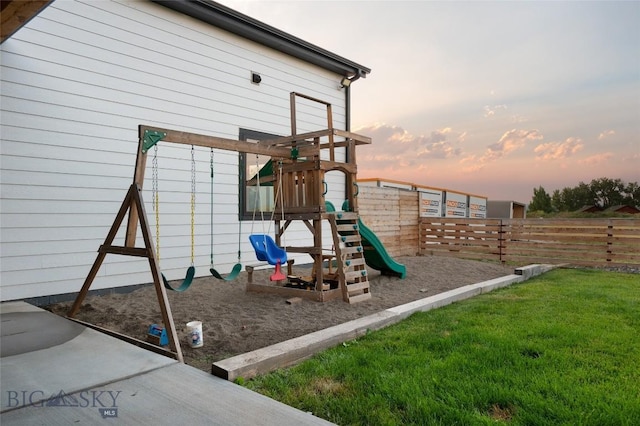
196	139
132	340
133	201
309	136
14	14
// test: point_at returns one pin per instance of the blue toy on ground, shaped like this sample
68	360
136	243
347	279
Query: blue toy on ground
158	335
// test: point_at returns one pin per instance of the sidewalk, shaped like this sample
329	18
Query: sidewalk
56	372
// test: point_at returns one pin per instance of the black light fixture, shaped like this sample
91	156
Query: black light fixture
255	78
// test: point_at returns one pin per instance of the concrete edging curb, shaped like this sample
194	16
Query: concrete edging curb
295	350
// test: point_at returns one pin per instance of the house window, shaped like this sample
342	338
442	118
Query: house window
256	188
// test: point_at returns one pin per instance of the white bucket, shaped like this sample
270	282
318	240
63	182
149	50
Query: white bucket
194	330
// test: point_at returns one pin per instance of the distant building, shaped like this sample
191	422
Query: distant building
589	209
506	210
613	209
623	209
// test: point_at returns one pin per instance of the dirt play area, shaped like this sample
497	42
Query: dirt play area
236	322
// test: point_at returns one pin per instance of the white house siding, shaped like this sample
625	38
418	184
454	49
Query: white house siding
77	81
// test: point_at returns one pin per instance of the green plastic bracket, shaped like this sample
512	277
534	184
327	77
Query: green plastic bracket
294	153
151	137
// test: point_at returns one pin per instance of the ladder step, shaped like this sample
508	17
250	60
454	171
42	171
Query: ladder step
352	275
351	227
351	238
352	250
353	262
359	298
352	288
346	216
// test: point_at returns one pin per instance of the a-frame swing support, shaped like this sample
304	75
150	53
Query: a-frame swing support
290	149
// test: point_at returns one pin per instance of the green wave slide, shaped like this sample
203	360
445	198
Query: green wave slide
375	254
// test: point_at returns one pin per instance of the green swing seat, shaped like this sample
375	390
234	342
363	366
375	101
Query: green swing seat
237	268
186	283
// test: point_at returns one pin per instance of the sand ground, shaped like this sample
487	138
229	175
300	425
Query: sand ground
236	321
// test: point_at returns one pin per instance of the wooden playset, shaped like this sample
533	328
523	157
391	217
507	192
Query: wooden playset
300	162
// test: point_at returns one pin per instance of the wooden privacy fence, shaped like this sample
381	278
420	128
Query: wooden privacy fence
393	215
580	242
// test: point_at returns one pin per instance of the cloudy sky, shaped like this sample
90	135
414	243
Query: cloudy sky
491	98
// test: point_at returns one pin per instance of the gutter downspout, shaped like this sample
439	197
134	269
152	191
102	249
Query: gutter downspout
347	109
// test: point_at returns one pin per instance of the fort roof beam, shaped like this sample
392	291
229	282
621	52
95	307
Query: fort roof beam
304	137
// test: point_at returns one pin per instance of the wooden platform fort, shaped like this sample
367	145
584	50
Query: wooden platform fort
301	178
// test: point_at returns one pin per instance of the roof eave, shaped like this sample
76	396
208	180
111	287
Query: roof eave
242	25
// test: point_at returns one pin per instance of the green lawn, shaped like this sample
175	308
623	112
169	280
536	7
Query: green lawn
562	348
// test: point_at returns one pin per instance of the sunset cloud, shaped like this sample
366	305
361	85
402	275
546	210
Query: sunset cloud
606	134
491	110
393	143
597	159
558	150
510	141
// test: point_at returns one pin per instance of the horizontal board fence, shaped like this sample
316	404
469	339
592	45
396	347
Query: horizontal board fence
579	242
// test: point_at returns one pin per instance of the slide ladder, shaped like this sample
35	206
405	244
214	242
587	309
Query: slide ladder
352	270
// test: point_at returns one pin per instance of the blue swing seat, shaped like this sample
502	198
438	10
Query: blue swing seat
267	250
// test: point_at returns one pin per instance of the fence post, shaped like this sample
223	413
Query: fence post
501	241
609	240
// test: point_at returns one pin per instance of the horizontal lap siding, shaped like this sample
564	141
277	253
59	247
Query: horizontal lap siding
77	80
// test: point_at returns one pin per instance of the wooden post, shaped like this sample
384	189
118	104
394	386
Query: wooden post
133	200
138	179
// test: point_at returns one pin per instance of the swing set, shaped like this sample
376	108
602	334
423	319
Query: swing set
133	209
191	271
301	190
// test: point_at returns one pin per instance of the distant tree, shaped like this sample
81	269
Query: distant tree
557	201
570	199
603	192
541	201
583	196
632	194
607	192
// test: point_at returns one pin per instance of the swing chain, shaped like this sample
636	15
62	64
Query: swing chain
211	210
193	203
155	199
